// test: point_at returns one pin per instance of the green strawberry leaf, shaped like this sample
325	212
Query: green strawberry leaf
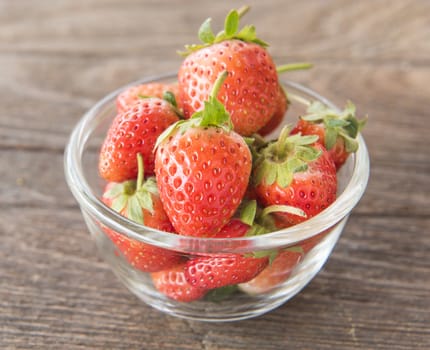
170	97
303	140
333	122
144	199
114	191
256	230
283	176
119	203
206	34
247	215
249	34
178	127
230	31
295	165
351	145
150	185
134	210
270	173
330	138
214	114
280	159
133	196
343	125
231	24
352	127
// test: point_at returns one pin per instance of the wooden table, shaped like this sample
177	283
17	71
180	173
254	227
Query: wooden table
59	57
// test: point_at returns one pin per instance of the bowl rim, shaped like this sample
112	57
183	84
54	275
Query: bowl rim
91	204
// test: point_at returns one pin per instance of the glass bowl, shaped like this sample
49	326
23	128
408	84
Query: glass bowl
313	240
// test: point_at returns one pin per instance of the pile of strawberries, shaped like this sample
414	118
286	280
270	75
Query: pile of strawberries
191	158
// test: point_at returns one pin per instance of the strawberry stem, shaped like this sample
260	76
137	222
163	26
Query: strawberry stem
214	112
243	10
293	66
218	83
279	208
282	144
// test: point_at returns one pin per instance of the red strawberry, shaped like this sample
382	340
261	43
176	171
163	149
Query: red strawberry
131	132
142	256
234	228
274	274
202	169
133	94
295	171
218	271
280	269
139	201
243	223
308	244
174	285
210	272
282	99
337	131
278	116
250	91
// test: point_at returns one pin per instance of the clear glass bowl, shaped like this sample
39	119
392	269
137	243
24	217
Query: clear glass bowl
314	238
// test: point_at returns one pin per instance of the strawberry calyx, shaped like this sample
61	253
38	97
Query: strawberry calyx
169	97
131	196
280	159
231	31
260	221
342	124
213	114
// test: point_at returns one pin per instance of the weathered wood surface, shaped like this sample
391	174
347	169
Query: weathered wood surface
59	57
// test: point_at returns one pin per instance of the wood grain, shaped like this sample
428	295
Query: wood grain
57	58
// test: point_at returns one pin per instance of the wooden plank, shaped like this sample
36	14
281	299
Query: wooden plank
294	29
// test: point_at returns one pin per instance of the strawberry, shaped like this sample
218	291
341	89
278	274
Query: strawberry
274	274
278	115
234	228
296	171
280	269
131	132
337	131
209	272
243	223
202	169
308	244
218	271
126	99
173	284
250	91
139	201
